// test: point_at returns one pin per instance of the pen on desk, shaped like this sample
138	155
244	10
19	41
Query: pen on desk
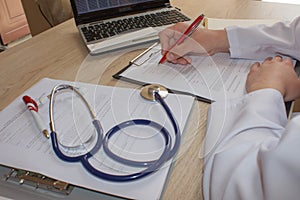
33	107
186	34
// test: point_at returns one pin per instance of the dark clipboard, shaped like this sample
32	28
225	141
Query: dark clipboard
119	76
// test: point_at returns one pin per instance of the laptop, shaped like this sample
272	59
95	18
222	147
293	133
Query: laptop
107	25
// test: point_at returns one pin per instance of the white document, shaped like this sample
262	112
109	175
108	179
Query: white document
23	146
213	77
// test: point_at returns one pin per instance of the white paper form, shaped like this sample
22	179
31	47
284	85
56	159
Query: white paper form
214	77
22	146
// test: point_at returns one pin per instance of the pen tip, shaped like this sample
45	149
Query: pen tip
162	61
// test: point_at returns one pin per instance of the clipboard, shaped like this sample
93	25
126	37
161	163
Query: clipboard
35	181
119	76
40	157
37	186
288	105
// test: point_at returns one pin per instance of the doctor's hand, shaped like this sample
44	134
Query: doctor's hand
276	73
202	41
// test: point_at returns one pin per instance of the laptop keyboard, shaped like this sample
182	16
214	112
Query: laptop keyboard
108	29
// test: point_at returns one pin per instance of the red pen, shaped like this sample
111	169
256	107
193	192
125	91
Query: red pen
186	34
33	108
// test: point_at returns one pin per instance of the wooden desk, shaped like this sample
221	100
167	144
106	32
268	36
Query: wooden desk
59	54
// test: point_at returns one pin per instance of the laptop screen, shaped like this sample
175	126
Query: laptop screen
86	6
86	11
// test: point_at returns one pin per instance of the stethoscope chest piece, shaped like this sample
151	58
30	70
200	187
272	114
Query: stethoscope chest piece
148	92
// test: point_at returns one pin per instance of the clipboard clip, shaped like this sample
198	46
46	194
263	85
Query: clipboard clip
38	181
146	59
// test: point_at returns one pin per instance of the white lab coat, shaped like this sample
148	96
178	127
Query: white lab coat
252	151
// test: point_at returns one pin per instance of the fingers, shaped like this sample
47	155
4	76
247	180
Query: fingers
169	36
270	61
166	38
274	72
176	54
255	67
179	60
179	51
279	58
288	61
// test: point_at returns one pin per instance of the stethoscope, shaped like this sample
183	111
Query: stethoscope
150	92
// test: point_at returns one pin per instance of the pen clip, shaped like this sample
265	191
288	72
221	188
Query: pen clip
195	25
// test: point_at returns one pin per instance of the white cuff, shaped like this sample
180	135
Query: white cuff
233	41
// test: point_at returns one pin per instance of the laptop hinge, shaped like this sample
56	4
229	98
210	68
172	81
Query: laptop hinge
168	5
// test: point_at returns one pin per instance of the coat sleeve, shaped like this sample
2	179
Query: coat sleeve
262	41
251	151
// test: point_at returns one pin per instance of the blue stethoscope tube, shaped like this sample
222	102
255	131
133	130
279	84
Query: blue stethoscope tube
150	166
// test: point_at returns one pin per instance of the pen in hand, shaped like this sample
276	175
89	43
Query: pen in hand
33	107
186	34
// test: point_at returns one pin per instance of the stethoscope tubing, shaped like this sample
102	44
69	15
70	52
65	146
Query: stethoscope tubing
93	151
103	141
117	128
